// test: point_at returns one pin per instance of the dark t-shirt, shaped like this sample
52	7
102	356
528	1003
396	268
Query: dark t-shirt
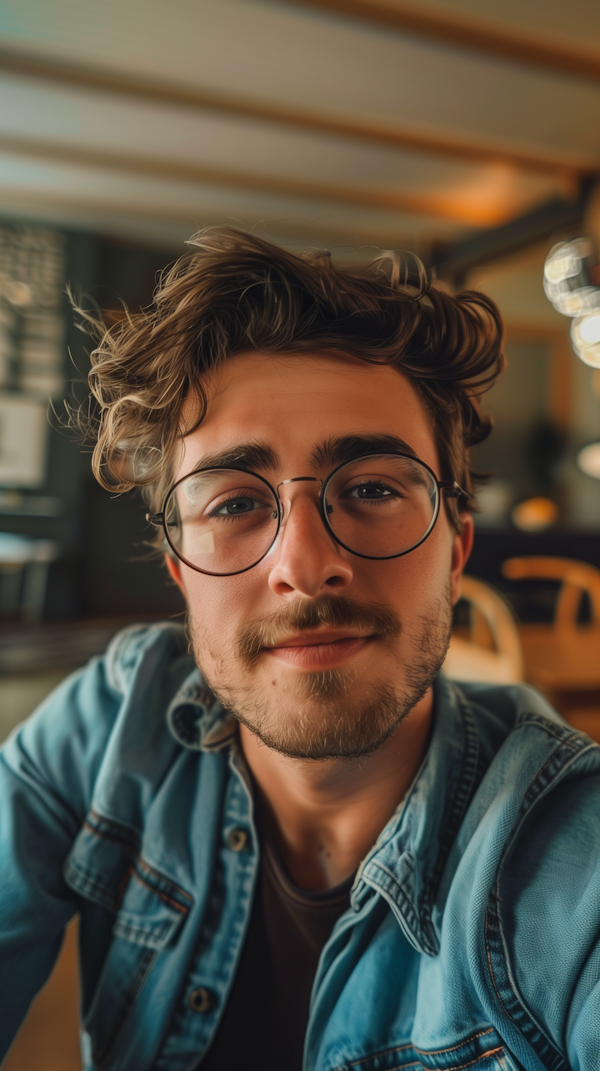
265	1019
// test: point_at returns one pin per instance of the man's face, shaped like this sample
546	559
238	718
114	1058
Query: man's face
319	652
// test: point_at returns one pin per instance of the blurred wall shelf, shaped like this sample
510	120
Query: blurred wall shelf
16	504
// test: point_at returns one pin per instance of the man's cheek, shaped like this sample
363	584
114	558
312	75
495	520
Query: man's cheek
214	626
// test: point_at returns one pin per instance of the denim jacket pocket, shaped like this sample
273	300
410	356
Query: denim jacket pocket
482	1051
147	910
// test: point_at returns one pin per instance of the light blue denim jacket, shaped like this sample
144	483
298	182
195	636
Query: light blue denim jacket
473	936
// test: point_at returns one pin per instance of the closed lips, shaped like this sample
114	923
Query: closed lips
318	650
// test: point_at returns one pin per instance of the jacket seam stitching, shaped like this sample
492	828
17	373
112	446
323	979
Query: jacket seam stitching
430	1052
462	794
531	1042
146	961
162	877
573	756
411	916
163	896
114	823
108	836
92	886
140	864
455	1067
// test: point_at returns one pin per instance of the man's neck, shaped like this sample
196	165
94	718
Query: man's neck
326	815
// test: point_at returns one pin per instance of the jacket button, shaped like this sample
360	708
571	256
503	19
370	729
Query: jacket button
201	1000
237	839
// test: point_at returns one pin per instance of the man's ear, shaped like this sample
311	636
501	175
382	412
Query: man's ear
461	548
175	573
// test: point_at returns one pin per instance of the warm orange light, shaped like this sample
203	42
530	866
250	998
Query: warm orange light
535	514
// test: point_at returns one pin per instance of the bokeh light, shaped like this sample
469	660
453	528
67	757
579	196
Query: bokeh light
535	514
585	336
588	460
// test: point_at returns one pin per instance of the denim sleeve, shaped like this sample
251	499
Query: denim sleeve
47	772
549	906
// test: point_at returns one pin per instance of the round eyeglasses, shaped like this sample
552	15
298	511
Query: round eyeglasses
223	521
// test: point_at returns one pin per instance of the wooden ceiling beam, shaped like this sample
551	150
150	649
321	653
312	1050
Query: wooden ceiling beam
480	35
571	166
445	207
317	230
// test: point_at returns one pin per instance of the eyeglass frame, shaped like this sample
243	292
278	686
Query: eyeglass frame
451	487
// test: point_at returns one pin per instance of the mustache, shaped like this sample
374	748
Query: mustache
335	611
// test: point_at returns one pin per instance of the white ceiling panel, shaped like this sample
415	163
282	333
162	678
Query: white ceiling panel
299	56
130	133
391	136
77	192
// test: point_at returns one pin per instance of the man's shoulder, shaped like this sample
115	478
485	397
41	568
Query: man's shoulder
527	751
156	645
115	703
530	845
534	812
506	706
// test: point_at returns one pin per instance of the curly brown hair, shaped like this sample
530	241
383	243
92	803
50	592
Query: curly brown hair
234	292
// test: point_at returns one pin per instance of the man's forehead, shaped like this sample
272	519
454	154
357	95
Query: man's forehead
313	401
297	375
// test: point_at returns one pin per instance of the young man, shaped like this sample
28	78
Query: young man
291	842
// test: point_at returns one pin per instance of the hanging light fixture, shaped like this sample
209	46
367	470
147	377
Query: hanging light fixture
567	278
585	336
570	274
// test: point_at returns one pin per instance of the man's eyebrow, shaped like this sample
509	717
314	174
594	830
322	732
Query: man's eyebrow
243	455
338	449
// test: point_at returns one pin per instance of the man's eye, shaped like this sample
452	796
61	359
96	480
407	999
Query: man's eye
371	491
234	507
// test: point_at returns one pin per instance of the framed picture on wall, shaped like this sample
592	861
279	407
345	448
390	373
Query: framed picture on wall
23	436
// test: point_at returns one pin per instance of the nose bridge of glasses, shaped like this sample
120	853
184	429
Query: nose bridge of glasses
286	502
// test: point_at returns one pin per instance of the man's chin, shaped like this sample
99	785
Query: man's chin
323	685
322	717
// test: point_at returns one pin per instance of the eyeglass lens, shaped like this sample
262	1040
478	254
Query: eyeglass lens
224	520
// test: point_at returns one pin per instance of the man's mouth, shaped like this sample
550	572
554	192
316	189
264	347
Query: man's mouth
319	650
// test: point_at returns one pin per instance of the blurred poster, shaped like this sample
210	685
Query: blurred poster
23	430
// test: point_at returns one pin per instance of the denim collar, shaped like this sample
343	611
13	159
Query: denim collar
197	719
406	862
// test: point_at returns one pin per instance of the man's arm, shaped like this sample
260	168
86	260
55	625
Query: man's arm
47	772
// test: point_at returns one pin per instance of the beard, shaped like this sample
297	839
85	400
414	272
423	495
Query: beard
337	713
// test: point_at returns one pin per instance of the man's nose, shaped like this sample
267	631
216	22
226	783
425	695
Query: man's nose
308	561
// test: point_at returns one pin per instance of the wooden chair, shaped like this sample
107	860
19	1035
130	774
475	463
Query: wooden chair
563	658
491	651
